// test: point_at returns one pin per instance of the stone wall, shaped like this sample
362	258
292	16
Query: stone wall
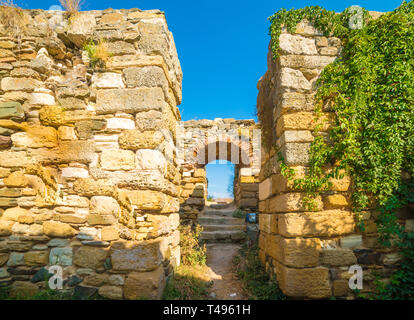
310	252
88	169
205	141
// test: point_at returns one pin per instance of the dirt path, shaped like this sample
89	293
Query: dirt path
219	259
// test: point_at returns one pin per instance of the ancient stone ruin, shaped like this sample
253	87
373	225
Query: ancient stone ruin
237	141
310	252
97	171
87	185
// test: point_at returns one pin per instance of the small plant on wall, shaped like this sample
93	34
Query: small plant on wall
98	53
71	6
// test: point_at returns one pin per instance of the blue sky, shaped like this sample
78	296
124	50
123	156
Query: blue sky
222	46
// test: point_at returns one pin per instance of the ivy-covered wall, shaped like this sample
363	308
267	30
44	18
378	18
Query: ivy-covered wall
312	227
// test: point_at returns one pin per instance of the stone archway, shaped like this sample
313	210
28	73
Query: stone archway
204	141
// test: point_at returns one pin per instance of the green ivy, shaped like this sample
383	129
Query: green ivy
371	90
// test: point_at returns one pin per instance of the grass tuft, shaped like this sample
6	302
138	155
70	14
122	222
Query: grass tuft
71	6
256	283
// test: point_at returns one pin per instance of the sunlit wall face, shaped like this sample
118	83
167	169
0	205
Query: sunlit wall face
220	175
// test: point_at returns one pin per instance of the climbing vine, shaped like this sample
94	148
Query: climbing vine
371	90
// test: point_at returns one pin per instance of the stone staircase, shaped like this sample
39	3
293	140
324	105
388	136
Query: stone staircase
219	225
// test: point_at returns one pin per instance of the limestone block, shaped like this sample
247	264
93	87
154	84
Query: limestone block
86	128
13	214
74	172
11	110
149	200
90	257
296	153
341	288
89	187
136	256
338	257
101	219
42	99
298	252
105	142
80	28
303	121
110	292
6	228
112	18
294	80
151	76
161	224
107	80
307	29
294	136
15	259
104	205
61	256
67	133
268	223
68	151
129	100
120	123
36	258
58	229
352	241
16	179
248	202
35	137
109	234
329	51
289	202
306	283
324	223
119	48
153	39
148	159
310	62
117	160
134	139
20	84
11	159
335	201
145	285
295	44
116	280
73	201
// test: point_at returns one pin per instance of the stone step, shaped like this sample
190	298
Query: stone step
213	219
212	236
220	205
224	227
228	213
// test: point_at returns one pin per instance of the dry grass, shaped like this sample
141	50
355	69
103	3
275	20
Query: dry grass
192	252
189	283
12	18
98	53
191	280
71	6
256	283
